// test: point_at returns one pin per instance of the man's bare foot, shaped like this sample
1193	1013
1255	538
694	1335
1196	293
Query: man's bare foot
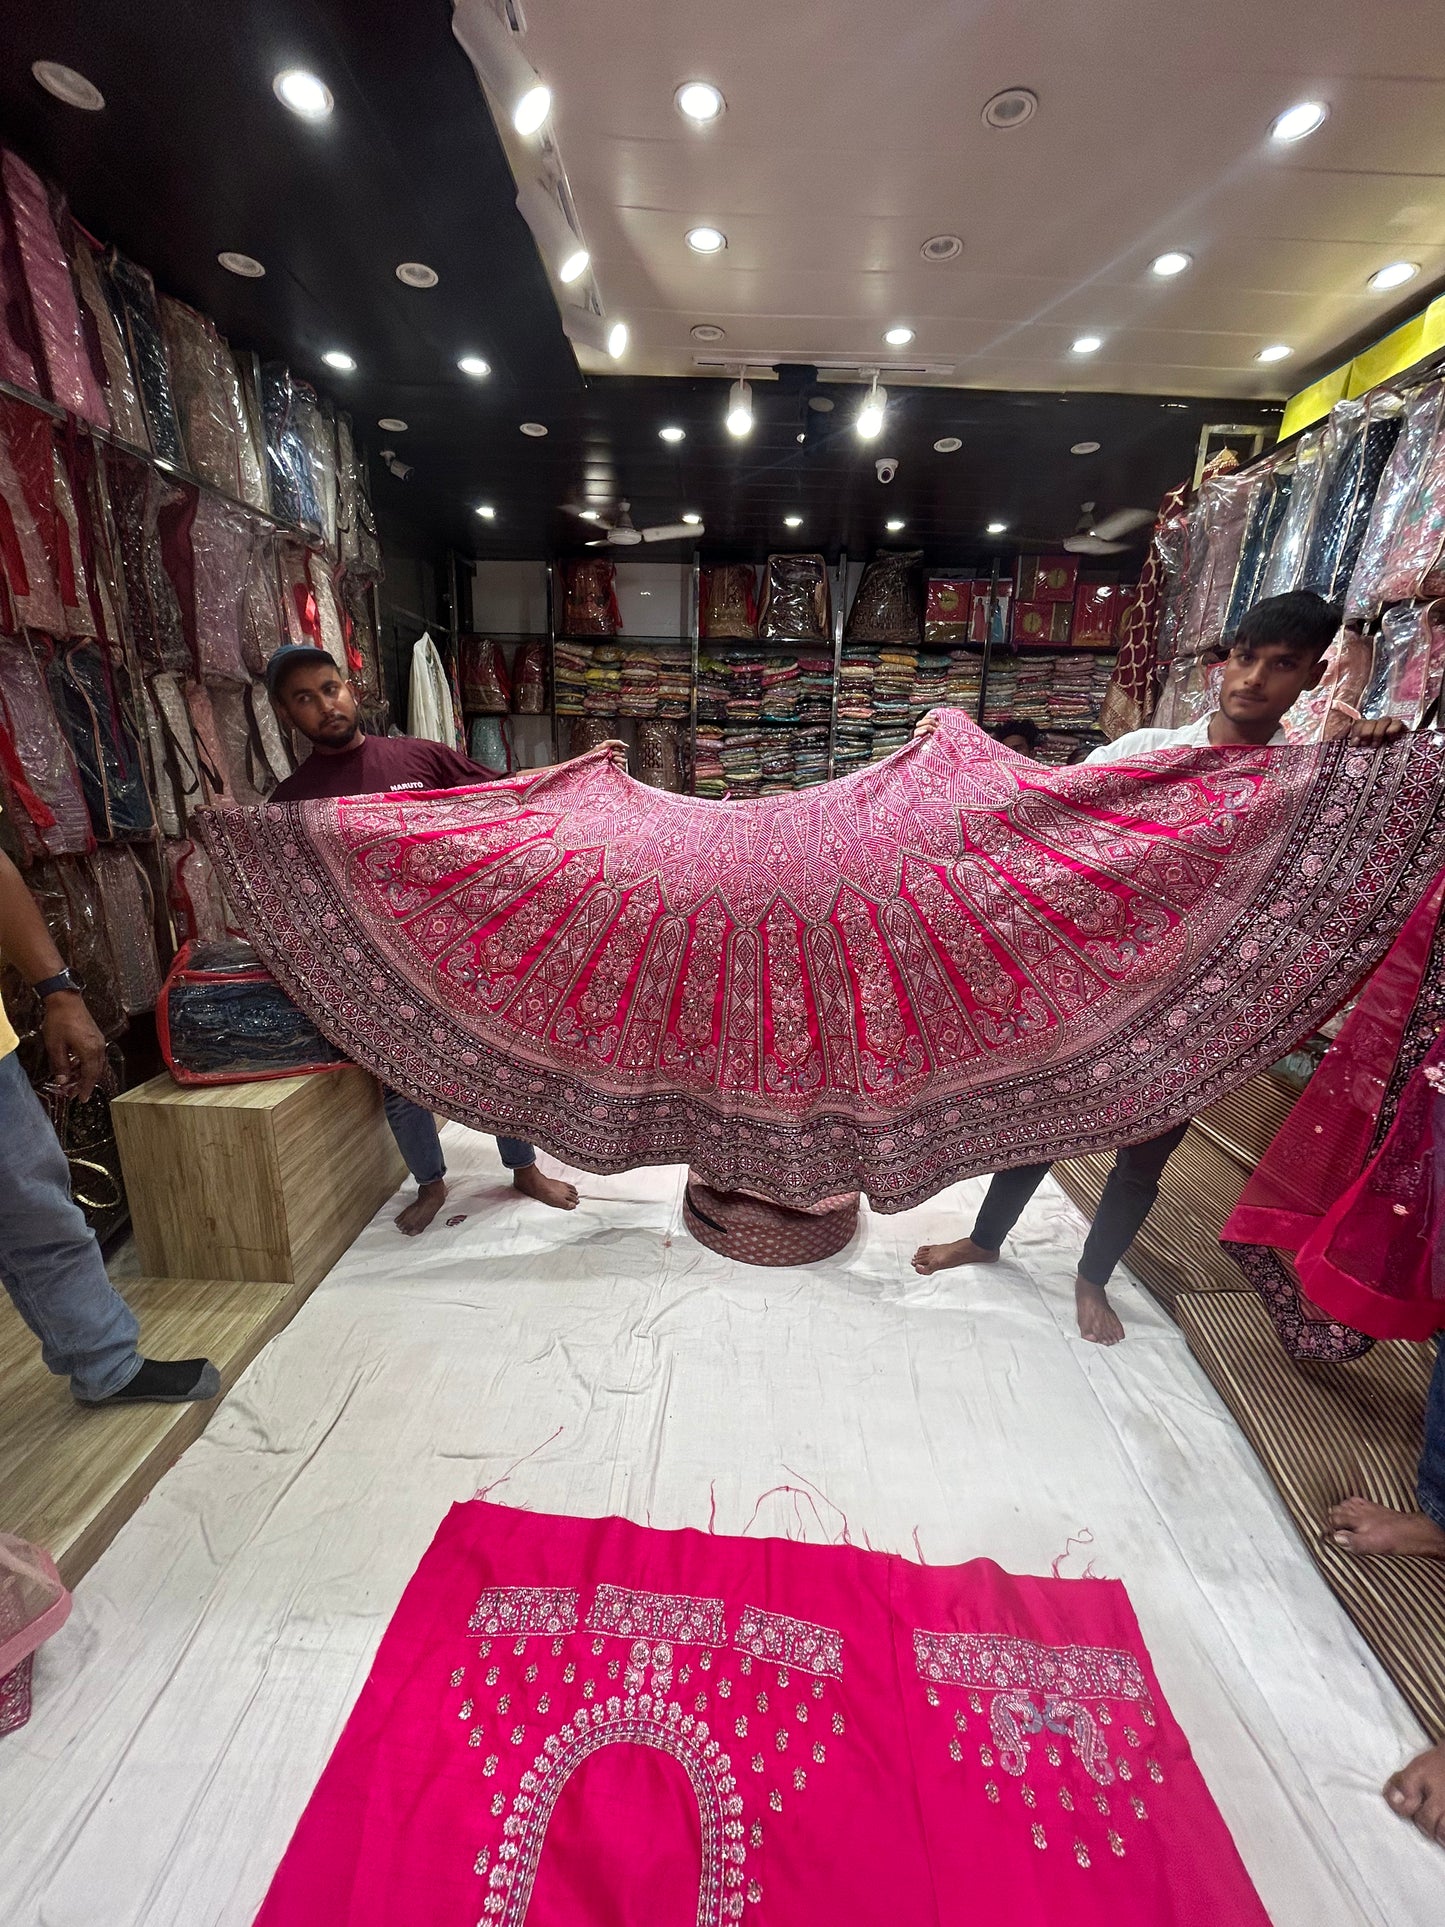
963	1251
1361	1526
1417	1792
535	1184
423	1208
1098	1320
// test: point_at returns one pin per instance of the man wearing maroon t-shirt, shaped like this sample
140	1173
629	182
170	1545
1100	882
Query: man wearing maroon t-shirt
312	696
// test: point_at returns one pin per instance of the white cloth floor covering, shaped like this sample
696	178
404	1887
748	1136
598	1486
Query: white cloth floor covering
604	1363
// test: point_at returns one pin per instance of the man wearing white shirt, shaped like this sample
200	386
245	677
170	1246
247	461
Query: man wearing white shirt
1276	655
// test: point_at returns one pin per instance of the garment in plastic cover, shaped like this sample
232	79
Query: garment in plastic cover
1415	547
1191	690
1313	466
1423	411
197	902
221	556
128	921
888	605
20	359
89	703
288	461
313	429
486	685
1267	510
1366	442
31	596
107	344
1409	663
38	777
590	599
796	605
1217	524
356	519
66	546
1330	709
244	770
529	679
70	905
133	302
33	1605
200	369
70	379
728	606
137	495
223	1019
946	606
490	745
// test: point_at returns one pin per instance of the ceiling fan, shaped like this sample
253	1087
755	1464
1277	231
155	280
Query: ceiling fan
622	534
1102	536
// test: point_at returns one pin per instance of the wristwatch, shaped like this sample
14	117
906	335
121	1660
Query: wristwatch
52	986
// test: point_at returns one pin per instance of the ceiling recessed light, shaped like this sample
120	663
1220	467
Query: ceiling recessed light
393	424
246	265
1172	263
942	247
692	519
1295	122
948	445
698	100
1084	448
1277	351
487	512
1393	276
618	336
707	331
894	526
474	366
305	94
672	434
706	240
997	528
64	83
589	515
338	358
535	429
792	521
1087	344
1011	108
898	337
416	274
821	404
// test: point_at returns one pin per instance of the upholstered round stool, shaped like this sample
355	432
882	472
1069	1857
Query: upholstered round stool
756	1231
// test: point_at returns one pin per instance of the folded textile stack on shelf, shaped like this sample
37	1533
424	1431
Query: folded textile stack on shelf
604	680
640	680
810	754
1033	682
781	687
674	684
707	774
815	688
930	682
779	769
712	689
745	670
1071	699
854	731
742	760
571	678
965	680
1002	690
893	712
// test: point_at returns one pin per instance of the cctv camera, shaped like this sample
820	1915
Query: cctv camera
887	467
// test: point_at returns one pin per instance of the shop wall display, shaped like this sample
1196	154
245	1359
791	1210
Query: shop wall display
170	514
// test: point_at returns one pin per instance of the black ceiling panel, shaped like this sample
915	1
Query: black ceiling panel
193	154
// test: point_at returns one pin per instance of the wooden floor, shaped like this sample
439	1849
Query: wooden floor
70	1478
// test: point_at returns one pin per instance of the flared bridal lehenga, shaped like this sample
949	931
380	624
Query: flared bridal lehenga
951	962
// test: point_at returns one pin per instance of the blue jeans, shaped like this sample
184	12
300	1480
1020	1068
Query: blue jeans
415	1131
49	1260
1431	1482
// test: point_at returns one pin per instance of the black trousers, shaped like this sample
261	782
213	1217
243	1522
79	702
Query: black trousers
1128	1198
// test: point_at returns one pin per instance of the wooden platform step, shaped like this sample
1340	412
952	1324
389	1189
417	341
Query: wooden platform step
70	1478
1323	1433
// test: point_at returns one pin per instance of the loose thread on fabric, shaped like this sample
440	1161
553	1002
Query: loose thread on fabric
483	1490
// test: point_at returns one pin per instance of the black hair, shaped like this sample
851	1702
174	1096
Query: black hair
1301	618
1018	726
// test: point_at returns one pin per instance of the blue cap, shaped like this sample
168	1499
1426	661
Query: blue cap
291	656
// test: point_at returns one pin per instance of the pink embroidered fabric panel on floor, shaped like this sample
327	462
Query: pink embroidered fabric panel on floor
575	1720
955	960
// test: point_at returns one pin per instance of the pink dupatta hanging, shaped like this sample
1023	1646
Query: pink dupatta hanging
953	961
576	1720
1353	1186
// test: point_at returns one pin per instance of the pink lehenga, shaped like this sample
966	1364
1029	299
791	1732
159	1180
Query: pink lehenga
1342	1227
574	1721
953	961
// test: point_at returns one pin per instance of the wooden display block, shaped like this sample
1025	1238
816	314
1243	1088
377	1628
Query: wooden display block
268	1181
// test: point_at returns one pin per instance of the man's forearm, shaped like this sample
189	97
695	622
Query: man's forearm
24	939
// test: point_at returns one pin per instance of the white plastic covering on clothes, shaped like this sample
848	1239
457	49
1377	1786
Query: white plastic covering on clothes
600	1362
429	703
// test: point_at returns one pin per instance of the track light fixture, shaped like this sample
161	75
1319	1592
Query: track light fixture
870	416
503	69
740	408
562	247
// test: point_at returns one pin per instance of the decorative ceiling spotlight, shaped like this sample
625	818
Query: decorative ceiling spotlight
898	337
1084	448
534	429
305	94
1393	276
1296	122
64	83
942	247
339	359
792	521
740	408
503	69
692	519
1277	351
416	274
246	265
1087	344
870	416
618	336
487	512
1170	264
474	366
997	528
672	434
541	208
706	240
1011	108
895	527
699	101
393	424
948	445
